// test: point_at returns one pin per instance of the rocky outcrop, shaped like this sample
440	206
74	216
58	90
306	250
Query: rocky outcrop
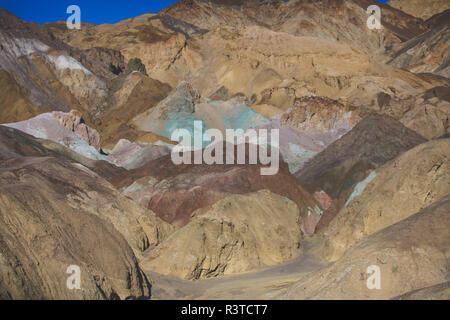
323	119
66	129
230	64
104	62
50	221
160	42
14	143
269	53
174	192
237	234
411	254
88	193
15	105
298	17
134	155
296	147
43	232
176	111
129	95
400	188
428	52
417	8
136	65
431	120
74	122
55	75
371	143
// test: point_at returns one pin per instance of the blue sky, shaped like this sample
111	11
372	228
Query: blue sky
92	11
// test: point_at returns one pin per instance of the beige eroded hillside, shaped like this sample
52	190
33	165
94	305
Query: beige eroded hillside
355	122
420	9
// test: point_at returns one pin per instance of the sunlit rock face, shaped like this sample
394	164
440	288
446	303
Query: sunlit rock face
414	247
69	130
66	129
236	234
400	188
75	123
49	193
269	53
321	118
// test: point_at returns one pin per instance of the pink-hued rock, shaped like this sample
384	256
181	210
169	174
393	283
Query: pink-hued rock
324	199
174	192
132	155
309	223
74	122
323	119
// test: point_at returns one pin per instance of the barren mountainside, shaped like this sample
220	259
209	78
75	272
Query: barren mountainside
321	148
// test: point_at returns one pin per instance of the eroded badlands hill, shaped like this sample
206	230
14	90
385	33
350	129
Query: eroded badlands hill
363	117
237	234
56	213
416	248
403	186
371	143
419	8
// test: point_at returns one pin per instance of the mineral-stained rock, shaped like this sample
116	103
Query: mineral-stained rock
297	17
104	62
264	64
371	143
175	111
47	126
130	95
14	143
67	184
324	119
133	155
52	75
74	122
411	254
441	92
402	187
173	192
330	208
238	233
